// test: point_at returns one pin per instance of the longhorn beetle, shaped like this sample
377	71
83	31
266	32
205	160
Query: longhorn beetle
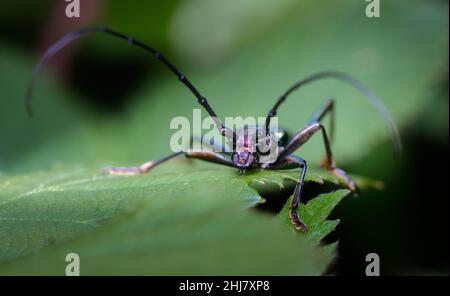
245	156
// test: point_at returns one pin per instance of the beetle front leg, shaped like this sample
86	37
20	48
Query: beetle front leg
147	166
291	162
143	168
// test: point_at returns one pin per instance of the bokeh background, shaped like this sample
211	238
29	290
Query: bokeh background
102	101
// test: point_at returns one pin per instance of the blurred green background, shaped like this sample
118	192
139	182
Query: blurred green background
101	101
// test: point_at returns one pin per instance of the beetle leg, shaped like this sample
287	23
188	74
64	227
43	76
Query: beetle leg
147	166
210	156
306	133
143	168
290	162
326	108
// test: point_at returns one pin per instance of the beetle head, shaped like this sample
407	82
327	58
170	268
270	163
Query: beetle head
243	159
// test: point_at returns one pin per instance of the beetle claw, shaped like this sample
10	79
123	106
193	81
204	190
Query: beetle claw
124	171
298	224
347	180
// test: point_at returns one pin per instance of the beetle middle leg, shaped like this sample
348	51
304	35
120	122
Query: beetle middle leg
291	162
314	125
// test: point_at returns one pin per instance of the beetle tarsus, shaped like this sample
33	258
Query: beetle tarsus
123	171
343	176
298	224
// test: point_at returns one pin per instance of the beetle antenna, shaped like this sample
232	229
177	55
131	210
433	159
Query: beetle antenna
68	38
374	100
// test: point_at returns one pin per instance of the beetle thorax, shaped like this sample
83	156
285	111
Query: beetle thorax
252	147
247	139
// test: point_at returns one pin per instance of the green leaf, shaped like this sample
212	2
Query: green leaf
163	238
194	219
48	207
43	208
315	213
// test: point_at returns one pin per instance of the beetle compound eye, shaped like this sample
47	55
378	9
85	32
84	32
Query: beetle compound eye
282	137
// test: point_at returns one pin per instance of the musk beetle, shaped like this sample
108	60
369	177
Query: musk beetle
246	141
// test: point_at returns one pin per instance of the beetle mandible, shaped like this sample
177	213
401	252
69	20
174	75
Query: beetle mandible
246	155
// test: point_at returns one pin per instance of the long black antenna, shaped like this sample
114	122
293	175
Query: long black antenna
376	102
68	38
